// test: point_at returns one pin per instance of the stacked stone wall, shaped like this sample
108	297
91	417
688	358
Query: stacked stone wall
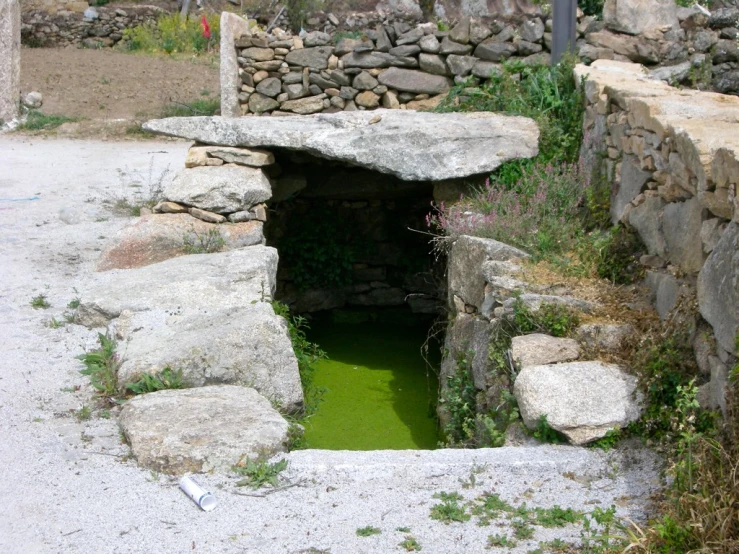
672	158
71	26
403	66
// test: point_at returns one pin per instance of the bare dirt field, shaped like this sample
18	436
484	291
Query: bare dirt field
105	84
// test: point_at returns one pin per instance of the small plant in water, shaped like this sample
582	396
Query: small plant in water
368	531
258	473
165	379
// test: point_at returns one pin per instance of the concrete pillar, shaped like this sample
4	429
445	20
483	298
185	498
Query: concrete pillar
564	25
10	59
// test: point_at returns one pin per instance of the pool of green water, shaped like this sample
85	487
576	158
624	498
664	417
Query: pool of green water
378	391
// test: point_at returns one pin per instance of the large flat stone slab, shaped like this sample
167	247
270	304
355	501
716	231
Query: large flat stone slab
154	238
207	315
200	283
582	400
201	430
415	146
539	349
247	345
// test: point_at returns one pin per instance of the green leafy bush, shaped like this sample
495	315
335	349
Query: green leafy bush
547	94
535	203
171	35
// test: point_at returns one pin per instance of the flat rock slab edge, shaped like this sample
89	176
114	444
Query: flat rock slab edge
414	146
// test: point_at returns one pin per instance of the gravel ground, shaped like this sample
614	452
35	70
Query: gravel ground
67	485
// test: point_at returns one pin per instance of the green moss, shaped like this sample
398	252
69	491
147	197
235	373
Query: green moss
377	392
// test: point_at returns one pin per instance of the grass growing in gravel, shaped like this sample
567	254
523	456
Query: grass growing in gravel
410	544
368	531
258	473
40	302
39	121
449	510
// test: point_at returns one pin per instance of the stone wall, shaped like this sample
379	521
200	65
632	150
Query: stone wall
72	26
403	66
672	157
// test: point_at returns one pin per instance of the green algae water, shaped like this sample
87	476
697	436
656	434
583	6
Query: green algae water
378	394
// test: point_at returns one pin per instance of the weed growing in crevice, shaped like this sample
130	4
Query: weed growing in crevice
101	366
618	252
208	242
167	378
544	432
458	400
258	473
146	190
552	319
54	323
521	529
498	541
308	354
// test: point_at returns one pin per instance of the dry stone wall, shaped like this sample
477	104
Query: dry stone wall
398	65
672	157
81	25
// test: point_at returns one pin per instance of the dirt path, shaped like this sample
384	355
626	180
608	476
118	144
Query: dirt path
104	84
